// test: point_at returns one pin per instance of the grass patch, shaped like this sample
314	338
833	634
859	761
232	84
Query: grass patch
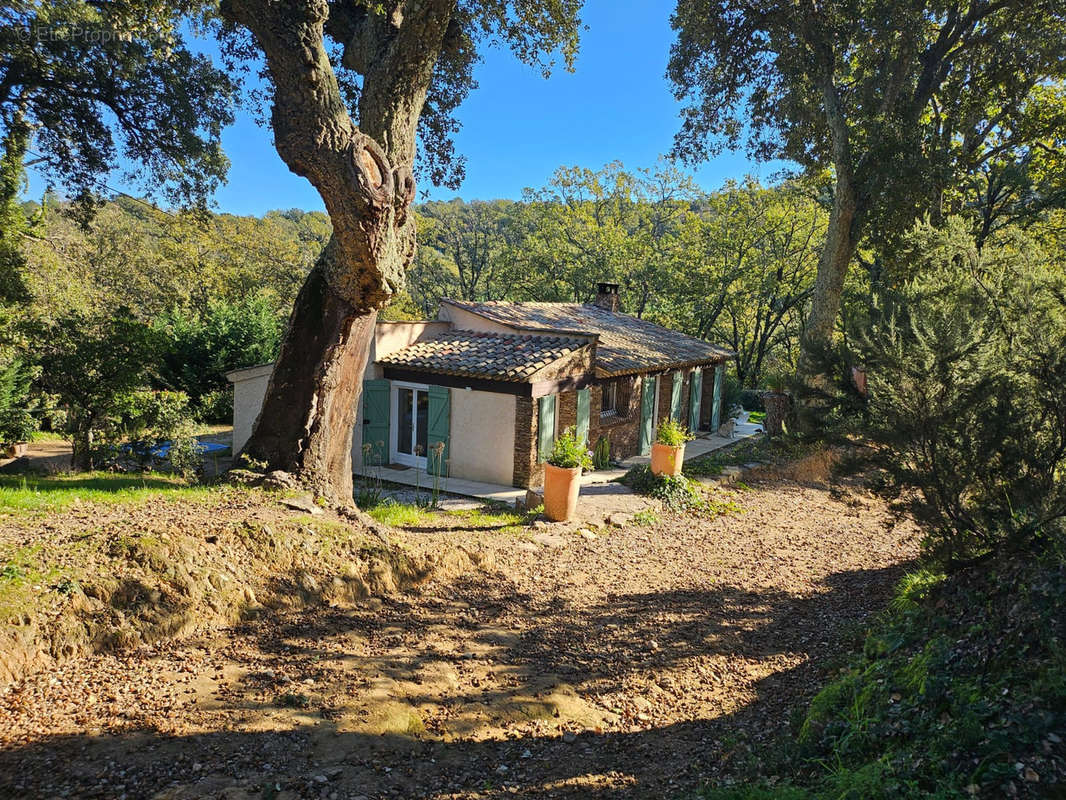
22	578
959	691
27	495
645	518
407	515
399	515
754	449
46	436
757	417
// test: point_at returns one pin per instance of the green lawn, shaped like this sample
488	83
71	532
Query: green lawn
25	494
403	515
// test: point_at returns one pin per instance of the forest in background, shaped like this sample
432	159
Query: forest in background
734	266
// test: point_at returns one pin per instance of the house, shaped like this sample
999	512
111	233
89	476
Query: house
481	392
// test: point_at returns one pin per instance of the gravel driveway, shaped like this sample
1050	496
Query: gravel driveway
638	663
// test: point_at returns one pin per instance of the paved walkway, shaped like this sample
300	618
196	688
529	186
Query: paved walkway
493	492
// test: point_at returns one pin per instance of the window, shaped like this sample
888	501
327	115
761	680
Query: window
614	398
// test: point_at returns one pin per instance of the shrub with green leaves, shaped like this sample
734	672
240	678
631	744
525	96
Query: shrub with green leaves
17	423
186	453
676	492
966	364
601	455
198	347
89	361
672	434
569	452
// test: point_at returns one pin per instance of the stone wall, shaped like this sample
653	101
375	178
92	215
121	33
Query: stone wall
623	430
527	472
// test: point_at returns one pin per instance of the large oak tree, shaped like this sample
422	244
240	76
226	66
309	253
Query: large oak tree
897	99
356	87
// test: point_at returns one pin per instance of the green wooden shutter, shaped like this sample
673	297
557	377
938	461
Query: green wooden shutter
647	413
583	415
545	426
716	400
440	428
675	397
695	396
377	408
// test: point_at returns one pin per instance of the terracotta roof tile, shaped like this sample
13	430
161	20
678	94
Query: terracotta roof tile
476	354
626	344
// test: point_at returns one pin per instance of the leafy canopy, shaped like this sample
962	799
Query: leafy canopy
902	99
97	83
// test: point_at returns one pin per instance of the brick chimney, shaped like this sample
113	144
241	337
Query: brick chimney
607	297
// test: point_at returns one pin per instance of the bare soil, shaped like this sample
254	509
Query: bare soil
633	662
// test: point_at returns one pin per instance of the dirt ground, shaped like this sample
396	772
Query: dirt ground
633	662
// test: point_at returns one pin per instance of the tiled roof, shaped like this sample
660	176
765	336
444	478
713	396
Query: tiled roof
475	354
626	344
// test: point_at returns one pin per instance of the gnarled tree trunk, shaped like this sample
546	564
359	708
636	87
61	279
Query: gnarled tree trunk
364	175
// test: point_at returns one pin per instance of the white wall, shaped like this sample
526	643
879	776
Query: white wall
482	423
464	320
482	436
249	389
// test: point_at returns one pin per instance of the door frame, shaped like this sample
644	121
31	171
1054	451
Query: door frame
395	456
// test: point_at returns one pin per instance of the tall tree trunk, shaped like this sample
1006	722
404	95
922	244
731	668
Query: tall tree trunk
364	176
833	264
840	244
305	425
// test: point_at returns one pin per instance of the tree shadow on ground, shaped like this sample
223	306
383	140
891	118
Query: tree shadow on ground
599	649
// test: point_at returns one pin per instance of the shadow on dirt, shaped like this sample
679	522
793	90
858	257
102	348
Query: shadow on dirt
596	649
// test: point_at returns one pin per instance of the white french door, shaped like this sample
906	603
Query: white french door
409	430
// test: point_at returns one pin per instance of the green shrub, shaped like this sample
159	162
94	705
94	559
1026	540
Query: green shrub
601	455
89	361
147	415
216	406
672	434
199	346
17	424
751	400
569	452
676	492
732	391
186	453
966	364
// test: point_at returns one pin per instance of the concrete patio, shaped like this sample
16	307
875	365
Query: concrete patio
498	493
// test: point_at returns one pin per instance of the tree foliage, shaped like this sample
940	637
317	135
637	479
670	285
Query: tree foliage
197	348
902	102
99	85
967	360
89	361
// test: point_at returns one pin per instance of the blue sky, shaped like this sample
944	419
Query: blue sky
517	126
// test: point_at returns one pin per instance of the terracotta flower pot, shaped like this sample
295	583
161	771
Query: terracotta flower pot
561	487
667	460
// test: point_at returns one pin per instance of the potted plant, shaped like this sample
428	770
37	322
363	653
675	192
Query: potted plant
562	476
668	452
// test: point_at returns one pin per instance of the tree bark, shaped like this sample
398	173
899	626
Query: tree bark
840	243
364	175
305	425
